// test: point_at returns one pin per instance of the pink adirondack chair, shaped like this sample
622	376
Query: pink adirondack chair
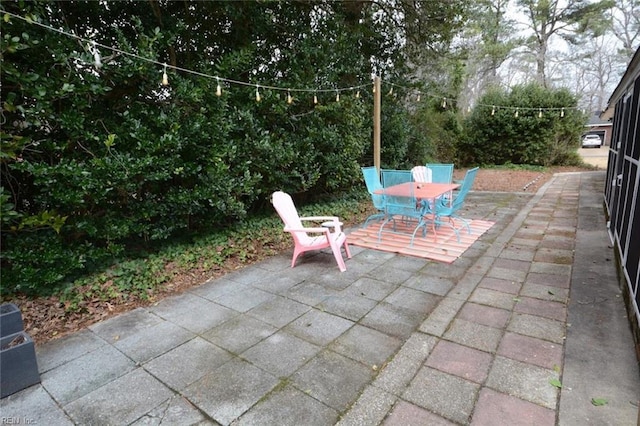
421	174
313	238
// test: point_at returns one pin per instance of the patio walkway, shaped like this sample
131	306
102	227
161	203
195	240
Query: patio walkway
394	340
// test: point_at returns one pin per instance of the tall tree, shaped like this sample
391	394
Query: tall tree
567	19
496	33
489	42
592	71
625	18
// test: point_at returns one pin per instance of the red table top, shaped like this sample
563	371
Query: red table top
420	190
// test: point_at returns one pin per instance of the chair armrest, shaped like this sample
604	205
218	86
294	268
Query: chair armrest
308	230
328	221
321	218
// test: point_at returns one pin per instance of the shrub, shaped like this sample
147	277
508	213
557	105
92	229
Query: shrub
529	126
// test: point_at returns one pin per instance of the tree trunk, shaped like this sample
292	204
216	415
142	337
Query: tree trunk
541	56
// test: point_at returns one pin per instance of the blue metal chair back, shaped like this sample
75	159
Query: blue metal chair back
396	205
450	212
441	172
467	183
372	180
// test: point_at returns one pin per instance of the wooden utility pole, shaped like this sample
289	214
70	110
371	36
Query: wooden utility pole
376	122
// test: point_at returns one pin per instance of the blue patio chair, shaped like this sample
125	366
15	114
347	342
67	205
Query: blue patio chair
441	172
372	180
450	212
402	204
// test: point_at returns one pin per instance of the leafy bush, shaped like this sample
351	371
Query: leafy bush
112	161
439	132
257	237
42	262
530	128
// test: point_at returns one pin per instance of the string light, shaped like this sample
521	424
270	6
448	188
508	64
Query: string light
165	77
289	98
97	60
337	96
258	98
390	91
315	99
218	88
451	102
358	94
448	102
93	49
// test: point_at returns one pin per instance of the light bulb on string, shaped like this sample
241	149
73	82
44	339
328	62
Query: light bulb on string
289	98
562	113
418	98
337	96
444	103
97	60
390	91
540	113
315	99
493	110
358	94
469	108
92	48
516	114
165	77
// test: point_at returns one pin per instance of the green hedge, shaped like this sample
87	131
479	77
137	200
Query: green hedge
529	126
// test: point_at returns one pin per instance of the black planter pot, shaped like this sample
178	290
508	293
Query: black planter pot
10	319
18	365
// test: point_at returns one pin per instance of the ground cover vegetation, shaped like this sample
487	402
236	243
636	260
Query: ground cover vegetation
113	182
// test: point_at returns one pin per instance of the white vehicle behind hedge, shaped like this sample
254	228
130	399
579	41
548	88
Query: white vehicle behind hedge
590	141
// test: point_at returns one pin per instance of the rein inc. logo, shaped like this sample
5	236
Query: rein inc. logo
17	421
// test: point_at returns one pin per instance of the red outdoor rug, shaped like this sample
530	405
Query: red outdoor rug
445	249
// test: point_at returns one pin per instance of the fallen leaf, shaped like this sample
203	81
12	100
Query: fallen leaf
599	401
556	383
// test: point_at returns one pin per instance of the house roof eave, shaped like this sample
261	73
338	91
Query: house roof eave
632	70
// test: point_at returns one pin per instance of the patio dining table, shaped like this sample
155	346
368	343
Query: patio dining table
421	190
428	192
